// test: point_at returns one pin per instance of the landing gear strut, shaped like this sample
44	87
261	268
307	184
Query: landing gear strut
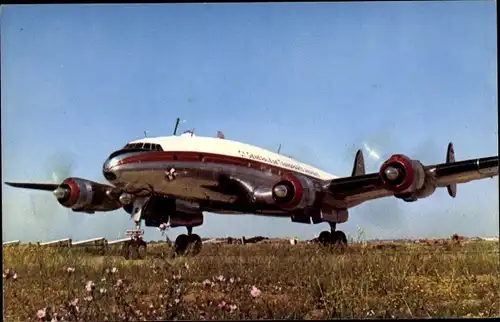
333	237
135	248
190	241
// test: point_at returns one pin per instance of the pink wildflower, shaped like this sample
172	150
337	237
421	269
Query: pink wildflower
220	278
7	274
255	292
119	284
208	283
41	314
70	270
89	286
177	277
232	307
74	304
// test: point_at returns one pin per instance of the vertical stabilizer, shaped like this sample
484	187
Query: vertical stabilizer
358	168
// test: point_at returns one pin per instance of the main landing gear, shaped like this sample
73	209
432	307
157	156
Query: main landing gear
335	237
191	242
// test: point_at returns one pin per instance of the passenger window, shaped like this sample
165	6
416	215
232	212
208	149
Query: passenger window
147	146
160	148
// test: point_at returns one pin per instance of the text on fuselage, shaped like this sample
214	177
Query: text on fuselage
277	162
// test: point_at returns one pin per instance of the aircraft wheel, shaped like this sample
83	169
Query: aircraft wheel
181	243
325	237
339	238
195	243
125	250
141	249
133	250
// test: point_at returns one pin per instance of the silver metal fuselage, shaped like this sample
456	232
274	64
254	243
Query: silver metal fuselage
195	181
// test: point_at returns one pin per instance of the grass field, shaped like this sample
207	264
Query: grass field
254	281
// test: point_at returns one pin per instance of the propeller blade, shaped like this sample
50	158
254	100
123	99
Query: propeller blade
35	186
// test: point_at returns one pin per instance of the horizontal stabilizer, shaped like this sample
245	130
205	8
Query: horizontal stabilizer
358	168
35	186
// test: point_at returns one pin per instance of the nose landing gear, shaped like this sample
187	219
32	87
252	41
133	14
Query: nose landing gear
136	247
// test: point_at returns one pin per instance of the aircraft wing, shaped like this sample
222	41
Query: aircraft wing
408	179
79	194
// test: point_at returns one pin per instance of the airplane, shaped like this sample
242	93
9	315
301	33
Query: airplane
175	179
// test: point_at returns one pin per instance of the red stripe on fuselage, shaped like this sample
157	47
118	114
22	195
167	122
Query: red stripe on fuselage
185	156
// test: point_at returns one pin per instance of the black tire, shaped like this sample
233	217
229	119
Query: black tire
325	237
133	251
181	244
339	238
195	244
141	249
125	250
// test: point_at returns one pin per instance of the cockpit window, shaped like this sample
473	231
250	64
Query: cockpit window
146	146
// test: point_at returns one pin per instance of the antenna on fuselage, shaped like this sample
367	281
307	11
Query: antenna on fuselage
279	149
176	125
145	134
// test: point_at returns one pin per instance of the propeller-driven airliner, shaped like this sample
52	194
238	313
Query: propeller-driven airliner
175	179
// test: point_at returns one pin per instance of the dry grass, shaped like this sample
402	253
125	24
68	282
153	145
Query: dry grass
224	282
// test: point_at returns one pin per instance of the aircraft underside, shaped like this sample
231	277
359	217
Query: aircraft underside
179	193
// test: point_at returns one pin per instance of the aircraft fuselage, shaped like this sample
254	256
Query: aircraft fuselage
202	170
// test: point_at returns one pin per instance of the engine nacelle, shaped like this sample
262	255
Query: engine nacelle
293	192
406	178
86	196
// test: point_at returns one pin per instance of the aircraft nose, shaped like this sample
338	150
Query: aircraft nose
107	167
113	162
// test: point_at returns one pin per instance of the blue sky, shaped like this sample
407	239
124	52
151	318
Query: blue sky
79	81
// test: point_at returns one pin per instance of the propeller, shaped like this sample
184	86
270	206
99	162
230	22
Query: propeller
385	213
52	220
